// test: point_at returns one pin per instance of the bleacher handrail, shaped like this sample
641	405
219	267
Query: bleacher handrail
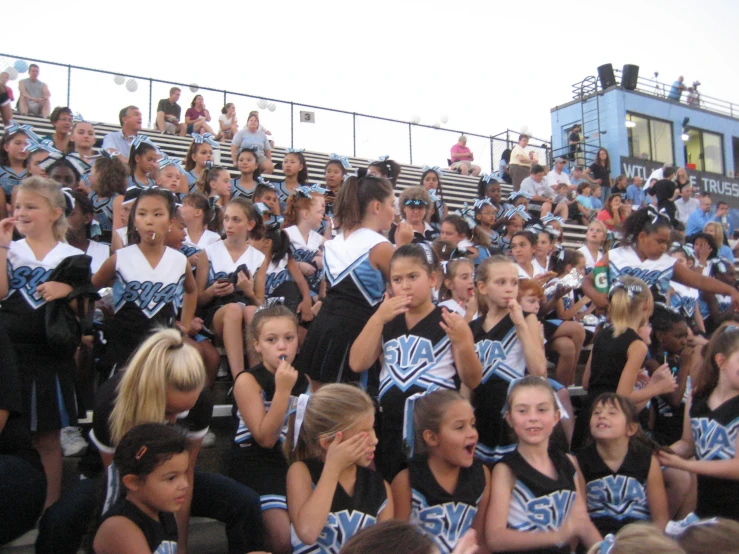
546	144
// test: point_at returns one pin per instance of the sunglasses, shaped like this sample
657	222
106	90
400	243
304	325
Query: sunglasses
416	203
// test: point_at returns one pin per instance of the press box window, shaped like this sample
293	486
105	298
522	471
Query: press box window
649	139
704	151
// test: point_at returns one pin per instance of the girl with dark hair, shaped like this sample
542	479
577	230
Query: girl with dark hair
245	184
142	162
79	231
504	171
431	181
228	122
295	169
197	213
387	168
13	157
197	117
611	214
199	158
646	236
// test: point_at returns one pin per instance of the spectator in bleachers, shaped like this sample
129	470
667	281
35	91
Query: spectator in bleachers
599	173
520	162
715	229
576	177
686	204
34	94
61	120
197	117
656	174
677	88
504	170
612	213
120	141
557	175
698	219
252	137
6	99
666	192
542	195
169	113
415	206
575	139
227	121
620	185
635	193
462	158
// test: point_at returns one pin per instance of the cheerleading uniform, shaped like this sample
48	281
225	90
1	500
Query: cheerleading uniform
306	251
161	535
625	261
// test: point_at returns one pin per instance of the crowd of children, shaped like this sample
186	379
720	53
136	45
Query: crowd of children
390	361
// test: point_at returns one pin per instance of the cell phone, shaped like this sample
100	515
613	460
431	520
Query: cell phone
223	281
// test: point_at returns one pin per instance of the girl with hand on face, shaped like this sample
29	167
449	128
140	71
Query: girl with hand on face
266	396
332	477
420	346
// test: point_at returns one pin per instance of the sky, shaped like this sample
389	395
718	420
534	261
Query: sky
476	66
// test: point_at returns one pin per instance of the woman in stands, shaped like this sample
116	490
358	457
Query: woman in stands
252	137
612	213
197	117
599	172
228	122
414	205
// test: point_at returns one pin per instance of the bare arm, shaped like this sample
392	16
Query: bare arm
533	349
402	496
189	300
105	275
656	495
119	535
265	426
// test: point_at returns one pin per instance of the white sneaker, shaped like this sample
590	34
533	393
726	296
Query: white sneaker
208	440
72	442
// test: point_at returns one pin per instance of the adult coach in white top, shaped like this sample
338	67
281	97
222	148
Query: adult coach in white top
34	94
120	141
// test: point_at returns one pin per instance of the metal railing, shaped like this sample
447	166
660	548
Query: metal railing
591	85
98	95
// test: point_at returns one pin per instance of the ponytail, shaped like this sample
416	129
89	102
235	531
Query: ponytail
355	197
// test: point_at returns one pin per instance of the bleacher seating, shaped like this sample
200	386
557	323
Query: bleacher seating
457	189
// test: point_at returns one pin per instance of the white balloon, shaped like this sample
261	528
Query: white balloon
119	79
444	118
262	104
12	72
194	87
132	85
415	119
525	129
271	107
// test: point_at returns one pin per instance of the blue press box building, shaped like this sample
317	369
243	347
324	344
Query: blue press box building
644	127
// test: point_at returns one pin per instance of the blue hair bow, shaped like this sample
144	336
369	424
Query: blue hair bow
295	150
721	264
205	138
77	118
165	161
307	191
676	528
520	210
433	196
45	144
479	204
131	195
271	221
213	205
549	218
409	431
631	290
140	139
343	159
27	130
687	249
607	544
383	158
560	252
655	214
516	193
78	163
262	181
489	177
68	200
436	169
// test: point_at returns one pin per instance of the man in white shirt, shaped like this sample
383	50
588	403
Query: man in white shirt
686	204
658	174
120	141
542	195
557	175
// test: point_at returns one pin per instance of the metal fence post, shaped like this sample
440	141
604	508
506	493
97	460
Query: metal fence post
292	125
492	159
69	84
410	140
224	101
354	133
150	94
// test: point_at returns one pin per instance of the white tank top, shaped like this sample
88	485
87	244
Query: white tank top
625	261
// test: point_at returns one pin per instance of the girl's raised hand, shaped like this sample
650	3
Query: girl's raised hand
342	454
455	326
671	459
285	377
392	307
663	380
53	290
517	316
403	234
6	230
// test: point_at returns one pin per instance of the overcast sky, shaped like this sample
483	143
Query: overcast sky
486	65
